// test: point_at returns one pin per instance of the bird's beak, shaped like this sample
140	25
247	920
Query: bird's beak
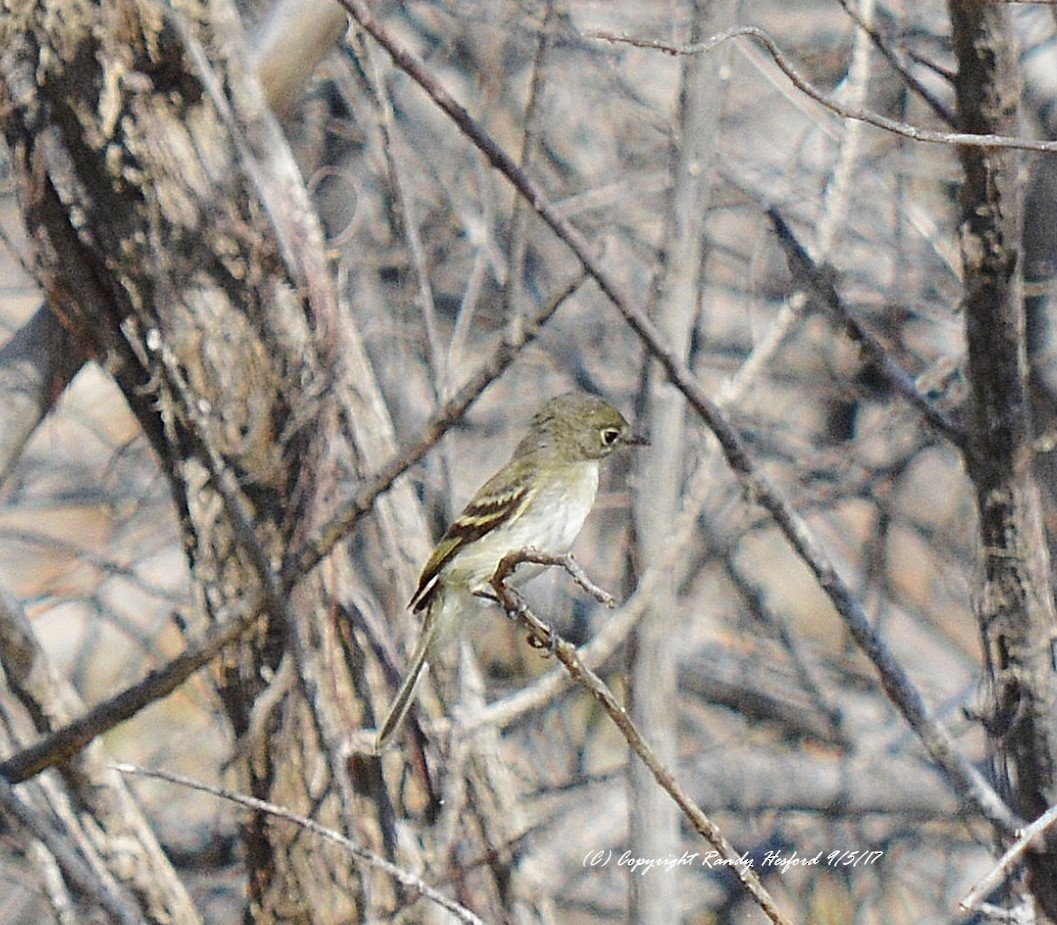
637	439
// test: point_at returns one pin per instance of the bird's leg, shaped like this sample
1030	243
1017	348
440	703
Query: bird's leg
513	604
511	601
550	647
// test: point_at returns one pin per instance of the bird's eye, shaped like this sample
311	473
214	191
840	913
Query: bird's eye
610	435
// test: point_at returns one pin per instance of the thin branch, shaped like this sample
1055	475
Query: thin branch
565	652
158	683
817	282
35	366
895	59
402	206
913	132
567	562
843	173
533	697
404	877
87	790
966	779
71	864
1001	871
532	132
755	602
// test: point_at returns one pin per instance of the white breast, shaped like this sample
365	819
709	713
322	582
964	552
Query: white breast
550	524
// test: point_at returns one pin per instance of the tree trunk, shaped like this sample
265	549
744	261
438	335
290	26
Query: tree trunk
171	226
1016	608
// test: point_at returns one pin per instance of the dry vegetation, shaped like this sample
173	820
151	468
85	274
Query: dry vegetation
735	659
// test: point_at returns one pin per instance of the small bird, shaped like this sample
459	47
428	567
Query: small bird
539	500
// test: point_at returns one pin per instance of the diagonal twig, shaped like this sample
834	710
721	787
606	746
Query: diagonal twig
1026	838
72	865
566	653
158	683
816	281
404	877
897	62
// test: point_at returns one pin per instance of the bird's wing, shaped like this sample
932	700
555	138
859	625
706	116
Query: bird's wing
484	513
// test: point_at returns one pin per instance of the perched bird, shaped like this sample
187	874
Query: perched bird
538	500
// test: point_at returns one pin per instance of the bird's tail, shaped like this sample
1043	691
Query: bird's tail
406	694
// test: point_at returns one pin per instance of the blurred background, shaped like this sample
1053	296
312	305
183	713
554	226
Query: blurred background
732	658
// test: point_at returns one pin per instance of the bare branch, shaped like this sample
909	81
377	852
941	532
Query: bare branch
98	795
819	285
929	136
895	59
508	563
516	608
73	867
404	877
1026	839
158	683
35	366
